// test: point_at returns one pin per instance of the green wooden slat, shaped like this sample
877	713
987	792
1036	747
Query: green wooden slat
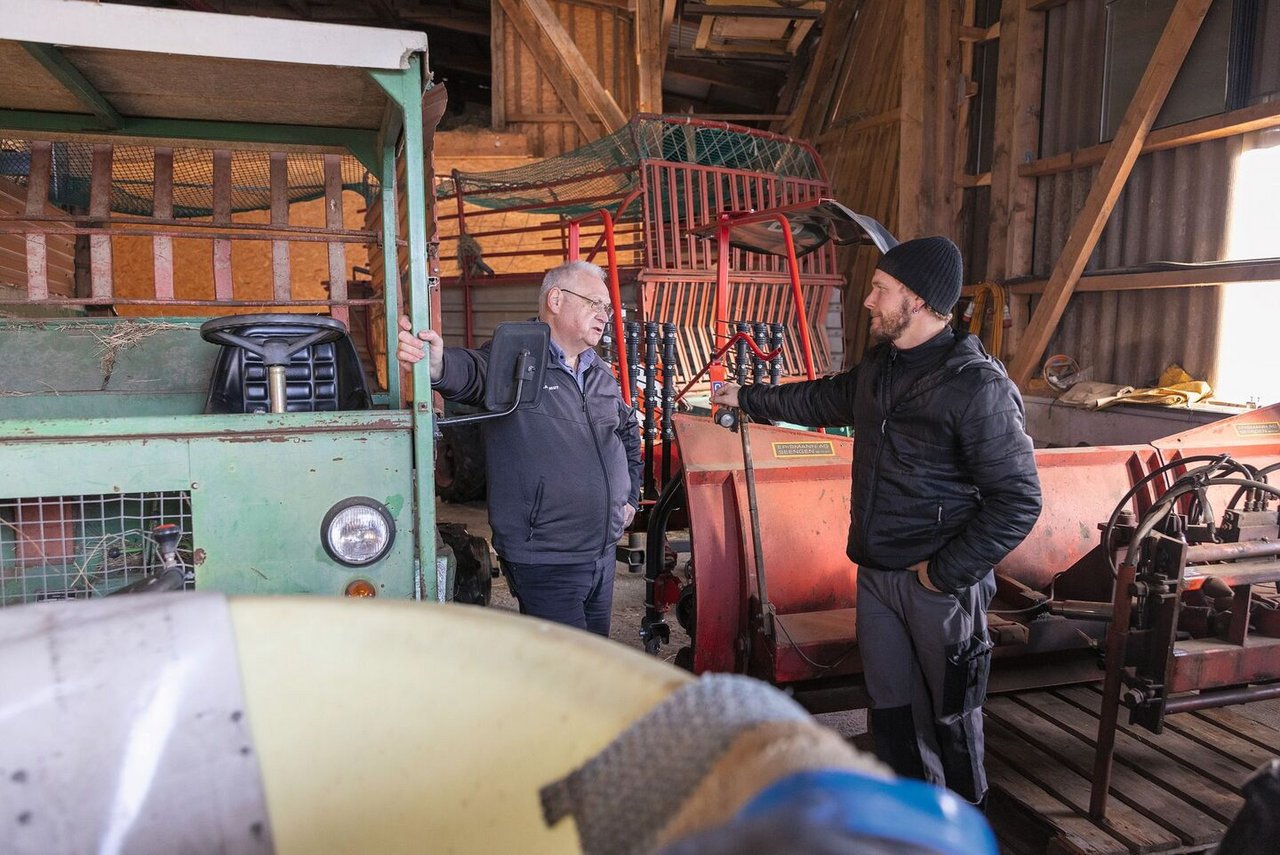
69	76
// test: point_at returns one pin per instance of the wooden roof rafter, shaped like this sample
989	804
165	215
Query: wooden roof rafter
760	28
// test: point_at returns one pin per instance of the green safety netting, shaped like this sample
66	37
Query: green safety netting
593	176
133	171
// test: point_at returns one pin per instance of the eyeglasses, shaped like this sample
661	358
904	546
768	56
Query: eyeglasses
597	306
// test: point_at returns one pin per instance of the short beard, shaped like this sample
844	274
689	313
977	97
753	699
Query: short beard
892	327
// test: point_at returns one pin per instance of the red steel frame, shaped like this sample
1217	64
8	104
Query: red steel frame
676	277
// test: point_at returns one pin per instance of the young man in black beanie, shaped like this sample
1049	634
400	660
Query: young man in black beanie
944	486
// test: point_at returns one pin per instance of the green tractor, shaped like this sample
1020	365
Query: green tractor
193	363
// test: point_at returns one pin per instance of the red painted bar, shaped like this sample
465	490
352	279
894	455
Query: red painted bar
162	207
222	282
333	220
37	197
100	208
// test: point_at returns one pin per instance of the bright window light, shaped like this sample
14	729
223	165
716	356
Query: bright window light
1247	366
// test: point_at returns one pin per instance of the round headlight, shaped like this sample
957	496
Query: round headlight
357	531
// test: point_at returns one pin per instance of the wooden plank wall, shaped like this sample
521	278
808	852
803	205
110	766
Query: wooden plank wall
524	93
58	250
851	105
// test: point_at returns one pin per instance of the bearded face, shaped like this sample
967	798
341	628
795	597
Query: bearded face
889	321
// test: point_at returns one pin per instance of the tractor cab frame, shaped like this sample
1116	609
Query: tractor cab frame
182	341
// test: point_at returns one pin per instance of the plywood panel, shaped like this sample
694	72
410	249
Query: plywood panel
251	262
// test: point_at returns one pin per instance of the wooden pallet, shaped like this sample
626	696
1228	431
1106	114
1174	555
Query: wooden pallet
1171	793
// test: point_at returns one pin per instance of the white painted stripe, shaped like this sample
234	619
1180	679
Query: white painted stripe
75	23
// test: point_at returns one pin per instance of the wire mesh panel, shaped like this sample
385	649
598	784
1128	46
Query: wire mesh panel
190	178
77	547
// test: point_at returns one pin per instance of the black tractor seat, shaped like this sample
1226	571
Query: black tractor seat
321	376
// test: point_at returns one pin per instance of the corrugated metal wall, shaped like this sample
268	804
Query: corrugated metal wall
1174	208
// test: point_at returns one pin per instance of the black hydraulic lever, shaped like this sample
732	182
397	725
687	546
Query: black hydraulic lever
741	365
759	369
651	395
632	341
775	364
668	397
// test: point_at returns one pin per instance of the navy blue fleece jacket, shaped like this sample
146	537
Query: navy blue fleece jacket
559	473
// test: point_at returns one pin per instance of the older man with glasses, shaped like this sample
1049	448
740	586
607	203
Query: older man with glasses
564	476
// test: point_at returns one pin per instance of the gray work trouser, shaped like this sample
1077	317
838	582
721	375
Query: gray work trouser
926	658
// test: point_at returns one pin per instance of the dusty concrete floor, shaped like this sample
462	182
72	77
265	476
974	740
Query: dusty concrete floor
628	607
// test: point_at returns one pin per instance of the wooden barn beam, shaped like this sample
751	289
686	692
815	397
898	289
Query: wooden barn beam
528	29
1186	276
1257	117
913	195
650	51
597	98
1175	41
668	20
698	10
746	78
808	111
498	69
1019	76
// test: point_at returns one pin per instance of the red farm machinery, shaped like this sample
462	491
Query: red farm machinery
1150	577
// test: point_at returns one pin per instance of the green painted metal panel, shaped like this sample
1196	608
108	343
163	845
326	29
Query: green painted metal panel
99	368
257	510
32	406
257	498
405	89
246	425
60	468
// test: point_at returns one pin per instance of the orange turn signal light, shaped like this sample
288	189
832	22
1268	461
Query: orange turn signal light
361	588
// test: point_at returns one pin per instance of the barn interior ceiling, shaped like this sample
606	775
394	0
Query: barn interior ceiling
727	59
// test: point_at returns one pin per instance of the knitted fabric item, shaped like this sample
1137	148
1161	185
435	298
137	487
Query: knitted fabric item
929	266
754	761
625	795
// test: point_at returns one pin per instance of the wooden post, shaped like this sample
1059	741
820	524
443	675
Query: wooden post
222	288
333	222
498	67
162	208
1017	126
650	50
100	282
943	91
1179	33
279	178
37	198
913	194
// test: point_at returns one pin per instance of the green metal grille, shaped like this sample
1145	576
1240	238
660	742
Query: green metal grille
77	547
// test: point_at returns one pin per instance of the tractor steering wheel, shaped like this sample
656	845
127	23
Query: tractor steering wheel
272	351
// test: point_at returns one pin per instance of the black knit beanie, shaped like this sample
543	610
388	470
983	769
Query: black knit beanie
929	266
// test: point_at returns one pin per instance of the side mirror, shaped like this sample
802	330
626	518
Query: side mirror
517	362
